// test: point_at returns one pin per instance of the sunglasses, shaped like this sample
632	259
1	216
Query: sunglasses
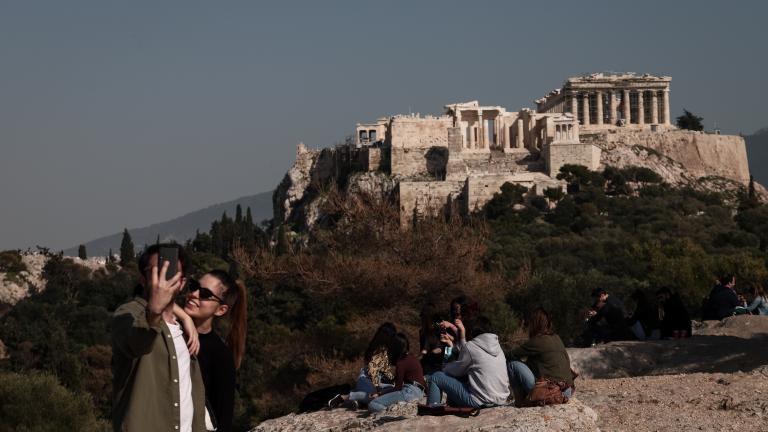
205	293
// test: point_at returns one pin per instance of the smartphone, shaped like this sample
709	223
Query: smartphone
171	255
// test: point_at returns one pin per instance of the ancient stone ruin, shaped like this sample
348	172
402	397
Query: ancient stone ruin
458	160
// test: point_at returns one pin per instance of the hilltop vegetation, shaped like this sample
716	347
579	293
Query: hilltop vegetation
316	296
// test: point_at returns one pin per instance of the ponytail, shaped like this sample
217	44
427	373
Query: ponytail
238	317
236	298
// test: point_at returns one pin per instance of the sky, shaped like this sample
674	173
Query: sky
122	114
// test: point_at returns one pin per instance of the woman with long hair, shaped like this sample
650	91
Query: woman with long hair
759	304
377	369
409	378
212	297
546	358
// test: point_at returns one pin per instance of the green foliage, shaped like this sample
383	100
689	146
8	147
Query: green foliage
690	121
10	262
127	252
36	402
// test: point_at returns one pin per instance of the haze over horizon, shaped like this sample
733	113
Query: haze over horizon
120	115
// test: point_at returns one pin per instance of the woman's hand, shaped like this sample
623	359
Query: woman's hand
446	339
193	339
448	325
461	331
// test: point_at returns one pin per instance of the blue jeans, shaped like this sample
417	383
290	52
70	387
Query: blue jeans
409	393
521	378
363	388
457	392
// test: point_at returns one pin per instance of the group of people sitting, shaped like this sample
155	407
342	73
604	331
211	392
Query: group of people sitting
668	318
461	358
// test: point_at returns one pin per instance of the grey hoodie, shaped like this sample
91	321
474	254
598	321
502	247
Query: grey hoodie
483	361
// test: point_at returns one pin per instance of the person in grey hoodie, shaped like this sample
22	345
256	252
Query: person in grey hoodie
479	376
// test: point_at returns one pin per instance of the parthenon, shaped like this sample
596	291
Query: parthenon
604	100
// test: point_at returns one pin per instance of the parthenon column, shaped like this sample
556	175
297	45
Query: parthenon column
585	108
655	107
640	107
666	106
612	102
574	105
599	101
507	143
480	130
520	138
627	117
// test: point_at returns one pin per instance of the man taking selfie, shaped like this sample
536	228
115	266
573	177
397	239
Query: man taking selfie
156	383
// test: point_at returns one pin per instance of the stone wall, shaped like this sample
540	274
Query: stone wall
557	155
411	140
701	154
427	198
480	189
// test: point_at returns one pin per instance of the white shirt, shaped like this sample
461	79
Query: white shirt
185	381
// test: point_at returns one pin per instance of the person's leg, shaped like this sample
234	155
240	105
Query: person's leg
457	393
434	394
382	402
568	392
521	380
364	384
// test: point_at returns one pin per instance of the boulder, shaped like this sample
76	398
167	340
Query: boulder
573	416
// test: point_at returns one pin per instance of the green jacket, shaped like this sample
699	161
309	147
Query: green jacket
146	375
546	357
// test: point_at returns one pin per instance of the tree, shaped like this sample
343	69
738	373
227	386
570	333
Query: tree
110	256
81	252
127	254
690	121
238	215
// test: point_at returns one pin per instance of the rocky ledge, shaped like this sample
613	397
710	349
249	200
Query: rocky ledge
573	416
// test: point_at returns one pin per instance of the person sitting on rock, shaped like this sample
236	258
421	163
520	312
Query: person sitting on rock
479	376
377	369
430	334
409	378
606	320
759	304
644	321
723	300
546	358
675	320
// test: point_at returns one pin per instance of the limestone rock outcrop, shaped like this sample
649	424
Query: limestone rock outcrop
573	416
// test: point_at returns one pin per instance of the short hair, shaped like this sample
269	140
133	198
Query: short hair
146	256
725	278
478	326
597	292
663	290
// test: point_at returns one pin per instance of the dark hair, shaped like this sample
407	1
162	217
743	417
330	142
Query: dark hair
235	296
539	323
428	333
477	326
725	278
146	256
597	292
469	308
398	347
757	290
663	290
382	338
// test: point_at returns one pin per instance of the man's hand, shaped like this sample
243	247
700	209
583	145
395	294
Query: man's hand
446	339
161	293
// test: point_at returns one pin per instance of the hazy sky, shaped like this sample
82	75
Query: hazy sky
121	114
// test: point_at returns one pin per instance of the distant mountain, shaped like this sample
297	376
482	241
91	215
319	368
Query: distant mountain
181	228
757	152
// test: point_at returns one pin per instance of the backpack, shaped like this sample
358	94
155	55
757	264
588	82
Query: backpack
318	399
546	392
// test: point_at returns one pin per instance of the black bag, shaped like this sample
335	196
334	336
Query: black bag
443	410
318	399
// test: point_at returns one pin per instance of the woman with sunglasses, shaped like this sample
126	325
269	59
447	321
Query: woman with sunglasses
215	295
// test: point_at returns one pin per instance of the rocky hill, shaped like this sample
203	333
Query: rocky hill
713	381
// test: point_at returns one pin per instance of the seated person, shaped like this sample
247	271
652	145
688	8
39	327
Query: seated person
606	318
675	320
377	367
545	356
759	304
644	321
479	376
723	300
409	378
433	350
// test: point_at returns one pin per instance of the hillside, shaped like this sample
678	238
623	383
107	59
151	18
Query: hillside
181	228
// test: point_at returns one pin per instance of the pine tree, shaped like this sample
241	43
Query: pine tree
110	256
158	239
127	254
81	252
238	215
248	217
